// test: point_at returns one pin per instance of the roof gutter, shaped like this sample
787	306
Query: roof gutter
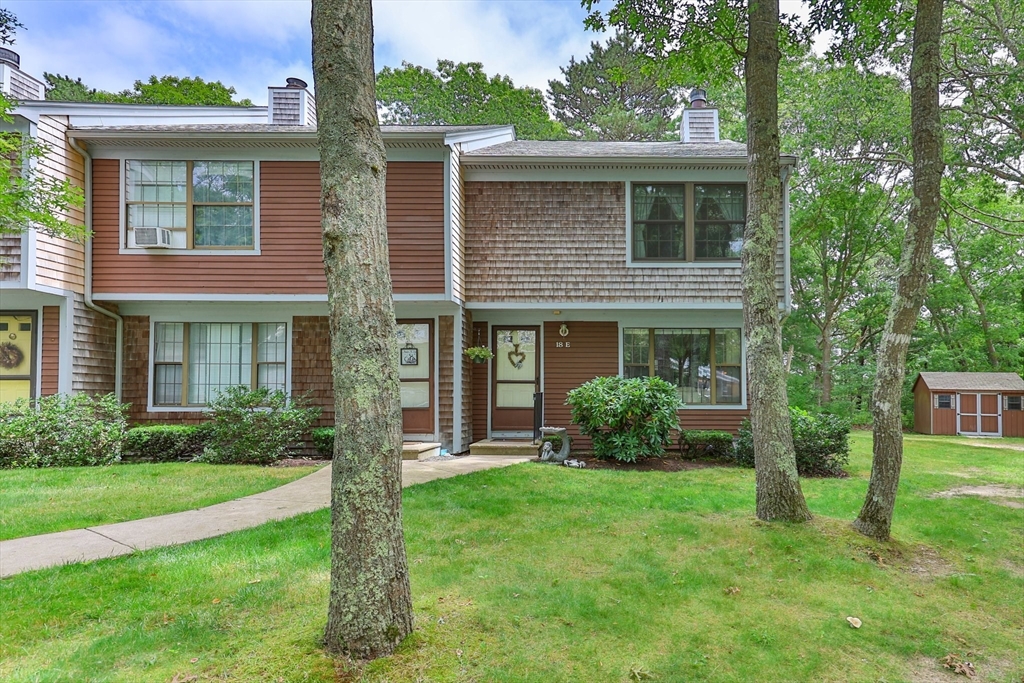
119	334
490	160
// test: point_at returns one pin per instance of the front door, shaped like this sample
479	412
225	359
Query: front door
17	355
516	377
416	375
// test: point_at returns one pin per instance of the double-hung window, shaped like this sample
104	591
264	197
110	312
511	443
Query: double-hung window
1013	403
203	204
944	401
193	362
705	365
687	222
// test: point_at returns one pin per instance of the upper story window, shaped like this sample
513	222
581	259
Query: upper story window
203	204
682	222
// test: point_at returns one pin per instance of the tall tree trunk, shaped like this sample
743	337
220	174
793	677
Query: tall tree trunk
875	519
370	608
826	364
778	487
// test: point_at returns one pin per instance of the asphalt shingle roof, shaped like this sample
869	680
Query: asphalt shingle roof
243	128
973	381
582	149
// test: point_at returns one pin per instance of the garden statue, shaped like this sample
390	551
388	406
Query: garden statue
547	452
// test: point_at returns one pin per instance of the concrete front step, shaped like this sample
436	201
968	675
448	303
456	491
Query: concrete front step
420	450
504	447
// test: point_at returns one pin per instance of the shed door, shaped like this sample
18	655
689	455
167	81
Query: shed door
990	414
967	413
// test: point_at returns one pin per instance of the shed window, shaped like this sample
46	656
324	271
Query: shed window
944	401
1013	402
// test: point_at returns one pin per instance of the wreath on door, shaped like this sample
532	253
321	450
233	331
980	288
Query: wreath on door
10	356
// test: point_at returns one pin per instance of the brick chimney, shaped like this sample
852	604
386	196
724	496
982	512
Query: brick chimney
14	82
699	124
291	105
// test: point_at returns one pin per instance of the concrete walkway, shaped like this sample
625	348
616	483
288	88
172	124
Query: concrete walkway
310	493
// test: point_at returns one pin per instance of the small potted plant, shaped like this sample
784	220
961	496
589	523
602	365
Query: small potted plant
479	354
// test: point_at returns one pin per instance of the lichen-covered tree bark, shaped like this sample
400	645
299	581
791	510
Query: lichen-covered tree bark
370	609
778	487
875	519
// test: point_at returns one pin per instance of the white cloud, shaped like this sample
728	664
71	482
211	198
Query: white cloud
109	51
527	41
279	20
251	44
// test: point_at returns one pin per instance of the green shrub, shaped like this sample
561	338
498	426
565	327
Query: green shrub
822	444
255	426
166	443
62	431
706	443
626	418
323	441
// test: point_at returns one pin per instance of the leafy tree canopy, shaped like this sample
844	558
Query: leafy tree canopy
462	94
616	93
29	199
163	90
9	26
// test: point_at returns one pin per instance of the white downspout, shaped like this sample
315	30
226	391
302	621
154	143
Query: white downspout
119	334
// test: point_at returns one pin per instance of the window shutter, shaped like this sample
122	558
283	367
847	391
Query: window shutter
935	400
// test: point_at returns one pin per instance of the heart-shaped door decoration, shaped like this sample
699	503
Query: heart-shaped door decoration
516	357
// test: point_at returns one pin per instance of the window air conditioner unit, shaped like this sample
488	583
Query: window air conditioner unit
152	238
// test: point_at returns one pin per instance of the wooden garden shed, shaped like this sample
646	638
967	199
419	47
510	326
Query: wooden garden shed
969	403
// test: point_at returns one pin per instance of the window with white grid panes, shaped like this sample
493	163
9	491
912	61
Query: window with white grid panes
210	202
194	362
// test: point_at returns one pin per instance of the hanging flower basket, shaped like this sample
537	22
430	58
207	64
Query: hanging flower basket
479	354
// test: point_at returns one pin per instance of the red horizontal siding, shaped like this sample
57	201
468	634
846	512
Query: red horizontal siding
291	256
593	351
51	351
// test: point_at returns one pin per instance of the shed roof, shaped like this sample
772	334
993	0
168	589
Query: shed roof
971	381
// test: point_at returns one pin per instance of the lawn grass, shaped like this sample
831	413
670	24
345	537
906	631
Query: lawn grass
40	501
538	573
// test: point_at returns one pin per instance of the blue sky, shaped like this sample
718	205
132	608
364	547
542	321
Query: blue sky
251	44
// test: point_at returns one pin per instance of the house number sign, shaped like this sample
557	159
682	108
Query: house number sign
562	345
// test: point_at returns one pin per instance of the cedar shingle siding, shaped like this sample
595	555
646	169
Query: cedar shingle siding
566	242
311	364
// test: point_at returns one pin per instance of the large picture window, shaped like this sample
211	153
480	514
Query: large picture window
706	365
193	362
683	222
206	204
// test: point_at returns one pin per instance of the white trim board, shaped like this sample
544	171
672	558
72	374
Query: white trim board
603	306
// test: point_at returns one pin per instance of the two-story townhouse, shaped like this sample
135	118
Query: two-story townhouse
568	259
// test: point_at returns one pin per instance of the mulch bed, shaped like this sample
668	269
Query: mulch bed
649	464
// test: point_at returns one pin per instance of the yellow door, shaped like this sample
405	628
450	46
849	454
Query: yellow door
17	336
